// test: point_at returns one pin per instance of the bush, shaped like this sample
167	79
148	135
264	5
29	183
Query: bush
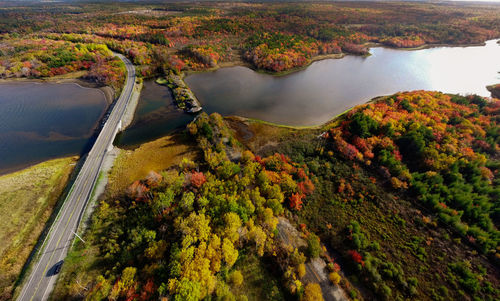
313	292
334	278
301	270
313	245
236	278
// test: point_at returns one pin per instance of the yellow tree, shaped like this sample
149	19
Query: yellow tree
312	292
229	252
233	223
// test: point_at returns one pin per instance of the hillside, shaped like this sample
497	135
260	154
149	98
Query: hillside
407	193
402	193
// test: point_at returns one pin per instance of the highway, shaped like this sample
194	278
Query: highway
44	274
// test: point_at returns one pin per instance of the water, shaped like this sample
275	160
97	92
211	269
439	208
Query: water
155	116
40	121
318	93
329	87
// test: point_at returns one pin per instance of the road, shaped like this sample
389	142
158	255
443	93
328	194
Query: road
58	242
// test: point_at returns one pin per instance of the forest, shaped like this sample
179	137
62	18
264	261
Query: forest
398	197
272	37
180	232
407	192
43	58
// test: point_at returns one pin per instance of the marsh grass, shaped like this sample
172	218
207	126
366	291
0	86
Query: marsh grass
157	155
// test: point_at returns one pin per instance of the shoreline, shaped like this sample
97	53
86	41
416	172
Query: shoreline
333	119
242	63
494	89
70	78
428	46
238	62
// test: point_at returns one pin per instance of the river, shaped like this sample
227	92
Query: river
319	92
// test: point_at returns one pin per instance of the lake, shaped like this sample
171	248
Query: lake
329	87
156	115
40	121
319	92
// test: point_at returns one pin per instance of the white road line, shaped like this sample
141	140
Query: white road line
77	199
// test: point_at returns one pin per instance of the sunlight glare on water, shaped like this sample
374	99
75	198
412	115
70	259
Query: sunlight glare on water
329	87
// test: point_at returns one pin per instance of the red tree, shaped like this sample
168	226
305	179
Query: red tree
198	179
356	257
296	201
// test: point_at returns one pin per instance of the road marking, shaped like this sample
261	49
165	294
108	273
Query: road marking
91	162
59	240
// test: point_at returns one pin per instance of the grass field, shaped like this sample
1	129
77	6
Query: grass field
26	201
156	155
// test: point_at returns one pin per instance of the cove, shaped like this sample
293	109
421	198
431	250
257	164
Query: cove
329	87
155	116
41	121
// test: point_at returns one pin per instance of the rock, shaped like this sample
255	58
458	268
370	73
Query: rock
495	90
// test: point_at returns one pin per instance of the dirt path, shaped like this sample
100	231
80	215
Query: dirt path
316	268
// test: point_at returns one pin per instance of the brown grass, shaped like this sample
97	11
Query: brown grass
157	155
258	136
27	198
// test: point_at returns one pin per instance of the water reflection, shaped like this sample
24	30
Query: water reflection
329	87
155	116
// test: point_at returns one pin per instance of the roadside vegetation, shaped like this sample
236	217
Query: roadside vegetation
201	216
26	201
135	164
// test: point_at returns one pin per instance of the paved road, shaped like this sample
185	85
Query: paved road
42	277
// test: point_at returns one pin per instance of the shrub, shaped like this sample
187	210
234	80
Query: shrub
301	270
313	245
334	278
313	292
236	278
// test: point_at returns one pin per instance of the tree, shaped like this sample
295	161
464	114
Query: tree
301	270
313	292
296	201
229	252
128	276
198	179
334	277
187	201
356	257
233	223
196	227
236	278
313	245
258	235
188	290
362	125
